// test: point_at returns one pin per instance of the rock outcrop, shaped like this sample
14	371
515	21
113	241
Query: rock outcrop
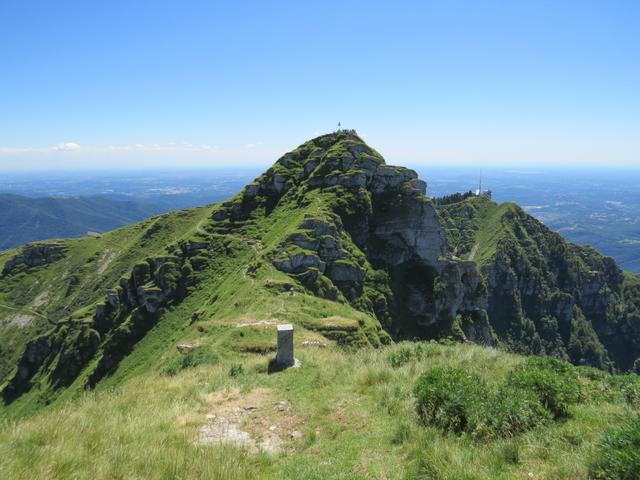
34	255
124	317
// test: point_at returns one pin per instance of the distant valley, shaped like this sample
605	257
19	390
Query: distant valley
27	219
45	205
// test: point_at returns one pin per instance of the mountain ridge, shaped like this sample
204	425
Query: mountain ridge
559	298
330	238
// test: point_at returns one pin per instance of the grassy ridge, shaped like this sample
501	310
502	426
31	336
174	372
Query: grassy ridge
237	284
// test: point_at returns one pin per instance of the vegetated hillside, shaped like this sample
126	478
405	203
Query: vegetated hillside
547	296
45	283
161	335
27	219
350	245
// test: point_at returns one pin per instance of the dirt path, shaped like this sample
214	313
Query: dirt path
33	312
108	256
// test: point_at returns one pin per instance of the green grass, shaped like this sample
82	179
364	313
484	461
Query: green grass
618	455
355	410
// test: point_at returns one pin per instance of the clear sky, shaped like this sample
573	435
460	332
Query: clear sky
194	83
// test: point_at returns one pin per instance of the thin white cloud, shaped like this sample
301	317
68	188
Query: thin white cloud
254	145
67	147
61	147
16	150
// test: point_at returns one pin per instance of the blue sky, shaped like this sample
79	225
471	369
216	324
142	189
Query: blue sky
190	83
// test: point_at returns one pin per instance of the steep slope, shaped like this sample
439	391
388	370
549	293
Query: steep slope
27	219
330	238
44	283
547	296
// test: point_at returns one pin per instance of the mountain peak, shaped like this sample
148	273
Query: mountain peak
340	145
338	160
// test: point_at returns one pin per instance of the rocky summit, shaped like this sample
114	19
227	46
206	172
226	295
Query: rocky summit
371	237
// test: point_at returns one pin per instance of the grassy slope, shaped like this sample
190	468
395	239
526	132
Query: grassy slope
484	228
225	296
476	229
354	409
91	267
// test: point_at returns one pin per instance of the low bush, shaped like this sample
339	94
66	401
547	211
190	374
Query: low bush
192	358
618	455
408	352
508	412
554	382
536	391
629	387
456	401
450	398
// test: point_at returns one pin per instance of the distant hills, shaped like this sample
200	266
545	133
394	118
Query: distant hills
26	219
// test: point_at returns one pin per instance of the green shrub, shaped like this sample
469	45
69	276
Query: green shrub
600	386
509	412
401	356
450	398
618	455
459	402
629	387
554	382
592	373
193	358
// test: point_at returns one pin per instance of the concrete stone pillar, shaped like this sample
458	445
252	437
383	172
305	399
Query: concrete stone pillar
284	357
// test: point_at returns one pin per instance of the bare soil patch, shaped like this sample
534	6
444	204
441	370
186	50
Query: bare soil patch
41	300
257	420
107	257
20	320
